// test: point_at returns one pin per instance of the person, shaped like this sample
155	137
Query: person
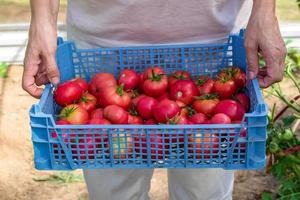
107	23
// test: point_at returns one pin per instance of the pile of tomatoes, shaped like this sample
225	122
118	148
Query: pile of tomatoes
153	97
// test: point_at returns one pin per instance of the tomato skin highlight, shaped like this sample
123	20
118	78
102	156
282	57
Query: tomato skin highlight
184	91
129	78
67	93
115	114
164	110
146	106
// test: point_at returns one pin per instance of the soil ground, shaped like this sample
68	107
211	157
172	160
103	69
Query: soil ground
17	173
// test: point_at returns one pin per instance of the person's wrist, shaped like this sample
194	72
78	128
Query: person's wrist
267	8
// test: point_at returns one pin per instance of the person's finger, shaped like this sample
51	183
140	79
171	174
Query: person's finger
51	68
28	80
275	62
41	80
252	58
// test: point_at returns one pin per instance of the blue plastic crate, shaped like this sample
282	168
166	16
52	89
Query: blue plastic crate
65	147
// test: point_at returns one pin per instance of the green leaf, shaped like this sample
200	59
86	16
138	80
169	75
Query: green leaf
288	121
266	196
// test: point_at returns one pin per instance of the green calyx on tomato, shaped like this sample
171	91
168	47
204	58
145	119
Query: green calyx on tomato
67	111
120	90
156	77
180	76
207	96
201	81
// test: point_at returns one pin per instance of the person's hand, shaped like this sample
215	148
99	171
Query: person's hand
39	63
263	37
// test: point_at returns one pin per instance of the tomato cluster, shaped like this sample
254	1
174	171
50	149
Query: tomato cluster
153	97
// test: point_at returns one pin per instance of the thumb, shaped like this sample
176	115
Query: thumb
52	70
252	60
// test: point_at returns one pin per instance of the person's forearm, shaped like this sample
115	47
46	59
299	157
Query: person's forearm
44	12
267	7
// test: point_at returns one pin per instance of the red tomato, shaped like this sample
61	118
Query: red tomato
100	81
162	97
122	145
82	83
97	113
146	106
225	88
220	118
155	82
206	104
156	145
141	82
74	114
115	114
133	93
132	119
180	120
244	100
88	102
98	121
177	139
178	75
135	101
198	118
202	145
236	74
184	111
150	122
205	85
231	108
164	110
114	96
62	122
129	78
184	91
86	148
67	93
59	122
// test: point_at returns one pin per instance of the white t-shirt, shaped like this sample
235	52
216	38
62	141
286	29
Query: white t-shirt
108	23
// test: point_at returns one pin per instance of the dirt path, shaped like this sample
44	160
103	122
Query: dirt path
16	158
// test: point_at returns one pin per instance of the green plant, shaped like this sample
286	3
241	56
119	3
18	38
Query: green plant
283	145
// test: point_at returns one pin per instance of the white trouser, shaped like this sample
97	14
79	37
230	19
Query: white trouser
184	184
